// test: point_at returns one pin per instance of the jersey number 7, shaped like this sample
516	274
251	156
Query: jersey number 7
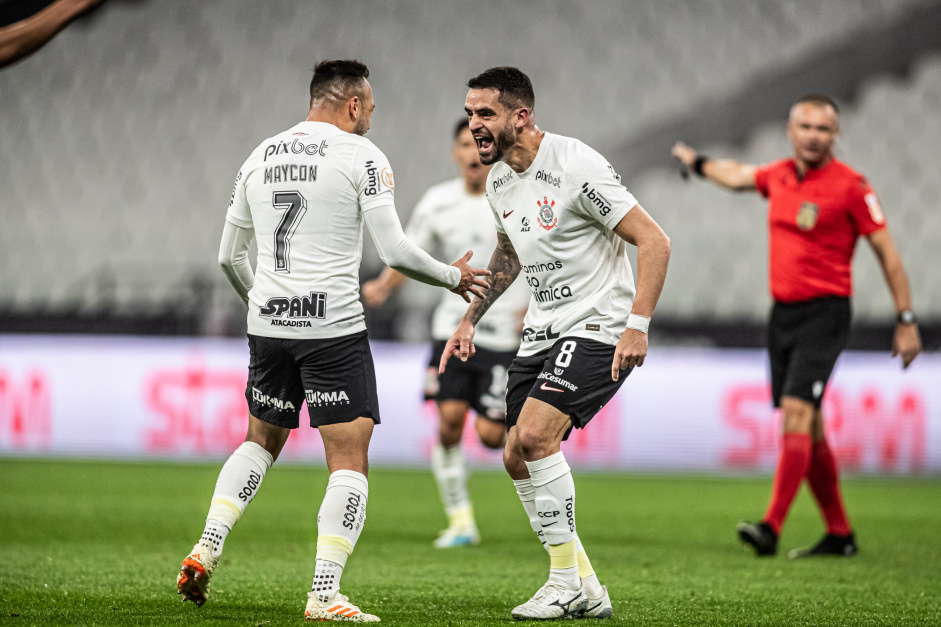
296	206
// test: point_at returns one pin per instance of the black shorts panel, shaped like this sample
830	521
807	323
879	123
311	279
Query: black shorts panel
804	341
574	376
480	381
336	377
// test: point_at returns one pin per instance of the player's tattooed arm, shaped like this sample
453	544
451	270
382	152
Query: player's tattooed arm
504	268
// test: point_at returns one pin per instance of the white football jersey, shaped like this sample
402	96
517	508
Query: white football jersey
559	214
304	192
450	219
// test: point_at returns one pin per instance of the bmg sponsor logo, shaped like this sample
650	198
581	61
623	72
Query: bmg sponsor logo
604	207
373	186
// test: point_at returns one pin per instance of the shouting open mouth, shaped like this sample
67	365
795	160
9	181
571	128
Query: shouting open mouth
484	142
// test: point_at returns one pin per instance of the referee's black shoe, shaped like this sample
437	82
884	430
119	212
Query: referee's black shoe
759	535
831	544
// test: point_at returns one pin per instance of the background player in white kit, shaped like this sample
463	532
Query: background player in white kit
563	218
455	216
305	193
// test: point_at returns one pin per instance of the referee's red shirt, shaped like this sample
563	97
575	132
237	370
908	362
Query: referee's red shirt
813	225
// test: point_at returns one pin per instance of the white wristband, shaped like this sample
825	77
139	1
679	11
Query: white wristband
638	323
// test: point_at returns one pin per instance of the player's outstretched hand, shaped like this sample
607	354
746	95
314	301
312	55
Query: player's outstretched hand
631	351
469	278
907	343
374	293
460	344
684	154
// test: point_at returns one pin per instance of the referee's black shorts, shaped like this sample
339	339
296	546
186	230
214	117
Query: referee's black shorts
804	341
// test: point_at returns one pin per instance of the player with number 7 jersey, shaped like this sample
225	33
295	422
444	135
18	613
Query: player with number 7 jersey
305	195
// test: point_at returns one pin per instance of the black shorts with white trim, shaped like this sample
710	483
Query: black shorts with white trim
335	376
804	341
480	381
574	376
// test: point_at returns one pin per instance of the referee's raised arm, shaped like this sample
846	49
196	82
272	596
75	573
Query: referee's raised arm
732	175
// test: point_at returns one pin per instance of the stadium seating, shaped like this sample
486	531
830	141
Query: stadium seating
119	141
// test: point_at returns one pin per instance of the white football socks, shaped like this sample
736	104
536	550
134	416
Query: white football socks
527	494
450	473
339	524
238	483
555	506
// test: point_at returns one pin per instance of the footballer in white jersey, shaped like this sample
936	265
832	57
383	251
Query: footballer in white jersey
449	219
304	192
305	195
563	220
455	216
559	214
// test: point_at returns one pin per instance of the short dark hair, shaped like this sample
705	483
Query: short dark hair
337	78
514	86
460	126
821	100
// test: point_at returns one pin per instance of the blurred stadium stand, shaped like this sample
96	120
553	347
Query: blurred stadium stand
120	139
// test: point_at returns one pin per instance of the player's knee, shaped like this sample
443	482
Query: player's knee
491	434
514	462
493	441
533	440
449	434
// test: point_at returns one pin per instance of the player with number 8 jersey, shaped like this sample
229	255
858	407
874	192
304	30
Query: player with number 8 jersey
562	219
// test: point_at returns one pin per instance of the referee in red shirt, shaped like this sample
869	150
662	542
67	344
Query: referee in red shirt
818	206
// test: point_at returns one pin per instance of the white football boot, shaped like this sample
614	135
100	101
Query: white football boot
337	608
598	608
195	573
457	535
552	601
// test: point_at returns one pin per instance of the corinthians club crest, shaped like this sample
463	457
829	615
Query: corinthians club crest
547	217
807	216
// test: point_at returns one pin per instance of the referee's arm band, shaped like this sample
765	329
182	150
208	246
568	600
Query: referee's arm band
698	164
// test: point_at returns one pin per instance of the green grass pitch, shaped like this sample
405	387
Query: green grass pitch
101	543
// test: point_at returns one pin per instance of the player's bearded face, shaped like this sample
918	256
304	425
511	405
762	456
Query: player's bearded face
365	111
362	125
492	148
